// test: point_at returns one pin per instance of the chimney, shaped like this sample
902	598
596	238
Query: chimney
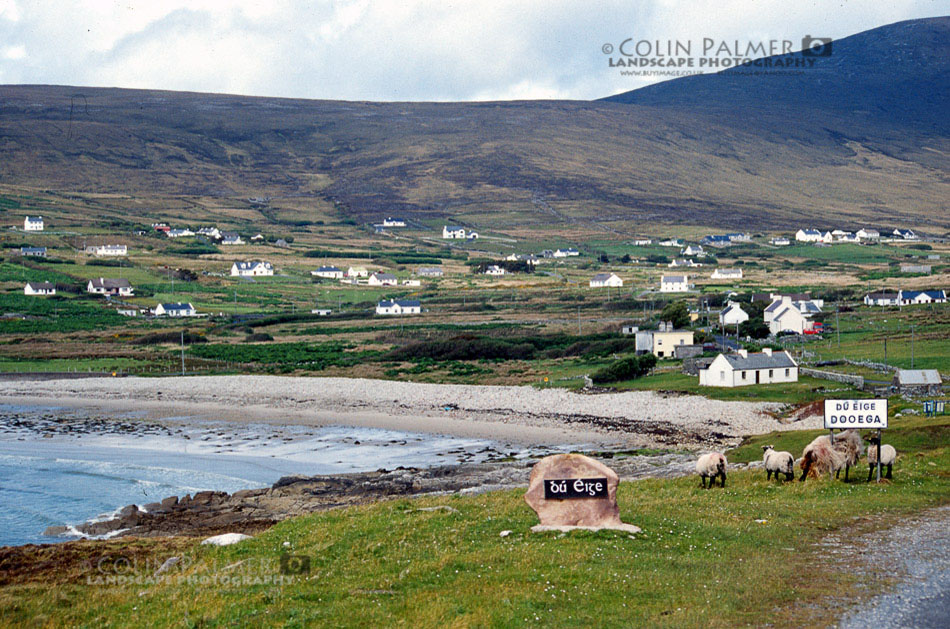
744	353
767	351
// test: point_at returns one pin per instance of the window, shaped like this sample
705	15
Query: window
743	375
787	373
722	375
771	373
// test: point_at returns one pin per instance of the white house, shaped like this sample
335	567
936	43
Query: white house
231	238
780	241
494	269
809	235
453	232
179	233
175	310
33	252
33	224
674	284
868	234
882	298
693	250
677	263
109	286
909	297
398	307
727	274
672	242
429	271
108	250
641	242
733	314
328	272
566	253
905	234
783	315
251	269
412	282
739	237
530	258
210	232
357	271
382	279
602	280
39	288
737	370
393	222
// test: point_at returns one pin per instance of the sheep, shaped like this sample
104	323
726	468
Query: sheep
778	463
888	456
851	445
710	466
820	457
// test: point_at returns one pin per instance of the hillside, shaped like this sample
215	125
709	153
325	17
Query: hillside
861	140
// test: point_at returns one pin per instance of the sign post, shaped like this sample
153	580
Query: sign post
867	414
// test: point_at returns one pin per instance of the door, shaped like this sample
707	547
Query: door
757	376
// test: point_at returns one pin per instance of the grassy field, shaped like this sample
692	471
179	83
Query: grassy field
713	558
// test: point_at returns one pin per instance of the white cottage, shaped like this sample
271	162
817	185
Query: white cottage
175	310
674	284
251	269
33	224
328	272
399	307
603	280
727	274
733	314
382	279
737	370
39	288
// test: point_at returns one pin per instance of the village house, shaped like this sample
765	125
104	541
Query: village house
231	238
693	250
494	269
868	234
210	232
382	279
119	287
905	234
780	241
179	233
918	382
357	271
677	263
566	253
718	240
175	310
916	268
412	283
251	269
882	298
674	284
33	224
786	315
641	242
328	272
739	237
429	271
399	307
33	252
743	368
663	341
393	222
107	250
602	280
39	288
530	258
453	232
910	297
733	314
671	242
727	274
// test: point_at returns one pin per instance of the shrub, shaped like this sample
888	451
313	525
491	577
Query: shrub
625	369
259	337
157	338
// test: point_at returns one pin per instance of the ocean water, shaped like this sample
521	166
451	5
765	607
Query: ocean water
67	466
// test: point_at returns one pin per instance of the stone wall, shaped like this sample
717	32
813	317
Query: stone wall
845	378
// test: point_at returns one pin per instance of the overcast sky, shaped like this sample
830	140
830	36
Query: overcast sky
391	50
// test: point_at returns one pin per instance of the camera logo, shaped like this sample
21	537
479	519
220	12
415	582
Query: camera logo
294	564
816	46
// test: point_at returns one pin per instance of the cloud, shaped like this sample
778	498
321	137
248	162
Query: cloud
363	50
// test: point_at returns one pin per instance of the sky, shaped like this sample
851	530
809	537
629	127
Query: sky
396	50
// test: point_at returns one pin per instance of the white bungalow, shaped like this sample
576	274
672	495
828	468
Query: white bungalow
251	269
39	288
382	279
175	310
910	297
868	234
357	271
393	222
412	282
783	316
231	238
399	307
494	269
882	298
693	250
108	250
905	234
110	286
430	271
808	235
453	232
210	232
737	370
328	272
733	314
179	233
566	253
674	284
33	224
33	252
602	280
672	242
780	241
727	274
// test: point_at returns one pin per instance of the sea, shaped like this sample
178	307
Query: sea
65	466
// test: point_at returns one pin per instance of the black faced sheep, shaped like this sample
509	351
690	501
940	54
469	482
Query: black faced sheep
819	457
778	463
888	456
710	466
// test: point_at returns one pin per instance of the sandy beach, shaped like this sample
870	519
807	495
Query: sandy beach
522	415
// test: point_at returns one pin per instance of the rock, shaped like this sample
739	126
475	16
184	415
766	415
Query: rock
55	531
593	513
152	507
168	565
226	539
169	502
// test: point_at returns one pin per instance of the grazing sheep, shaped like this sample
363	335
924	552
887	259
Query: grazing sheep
778	463
888	456
820	458
851	445
710	466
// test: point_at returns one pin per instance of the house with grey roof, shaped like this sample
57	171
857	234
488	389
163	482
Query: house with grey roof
398	307
743	369
33	252
602	280
109	286
175	310
382	279
918	382
882	298
39	288
252	269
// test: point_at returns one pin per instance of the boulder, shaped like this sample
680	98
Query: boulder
589	513
226	539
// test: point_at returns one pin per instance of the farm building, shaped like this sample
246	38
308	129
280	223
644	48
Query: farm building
918	382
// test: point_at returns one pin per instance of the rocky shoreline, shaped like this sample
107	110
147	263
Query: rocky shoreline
252	510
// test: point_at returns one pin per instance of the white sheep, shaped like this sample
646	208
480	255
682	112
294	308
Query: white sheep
778	463
710	466
888	456
820	456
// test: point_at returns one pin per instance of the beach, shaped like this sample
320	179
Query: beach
513	414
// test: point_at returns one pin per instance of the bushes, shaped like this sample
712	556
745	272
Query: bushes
463	348
259	337
625	369
157	338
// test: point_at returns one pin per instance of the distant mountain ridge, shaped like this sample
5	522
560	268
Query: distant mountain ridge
861	139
